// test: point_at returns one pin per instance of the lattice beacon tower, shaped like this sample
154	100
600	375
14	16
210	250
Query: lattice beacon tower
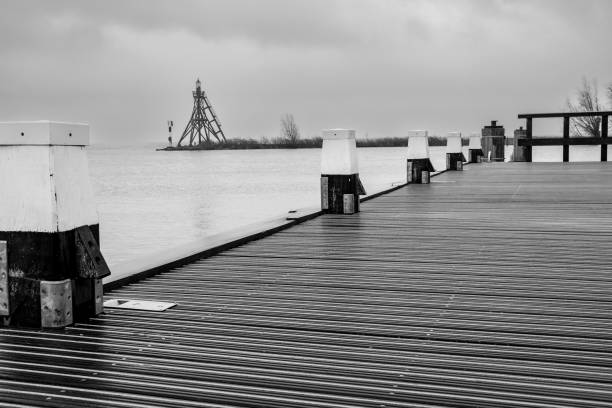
204	122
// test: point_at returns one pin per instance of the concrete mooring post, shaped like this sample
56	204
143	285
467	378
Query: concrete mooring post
51	267
418	167
519	151
340	184
494	141
454	151
475	148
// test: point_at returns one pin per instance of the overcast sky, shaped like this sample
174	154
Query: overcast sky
380	67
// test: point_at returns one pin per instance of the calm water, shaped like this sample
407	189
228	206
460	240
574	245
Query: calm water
149	201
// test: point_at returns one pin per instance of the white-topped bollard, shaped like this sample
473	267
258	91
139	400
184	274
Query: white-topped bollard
340	184
475	148
418	157
50	260
454	151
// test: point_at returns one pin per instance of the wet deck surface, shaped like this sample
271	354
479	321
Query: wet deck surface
488	287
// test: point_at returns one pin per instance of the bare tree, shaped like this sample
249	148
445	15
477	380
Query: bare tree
289	129
610	94
587	100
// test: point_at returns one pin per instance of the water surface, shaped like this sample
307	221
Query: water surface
150	201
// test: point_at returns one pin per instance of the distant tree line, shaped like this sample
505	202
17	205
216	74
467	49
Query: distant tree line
314	142
265	143
400	141
290	139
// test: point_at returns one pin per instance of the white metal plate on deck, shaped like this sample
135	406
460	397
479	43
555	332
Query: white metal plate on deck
138	305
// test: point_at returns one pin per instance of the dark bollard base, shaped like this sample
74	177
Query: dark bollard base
452	159
53	279
335	189
415	168
476	155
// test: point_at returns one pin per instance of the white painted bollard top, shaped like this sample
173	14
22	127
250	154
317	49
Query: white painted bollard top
475	143
44	177
339	152
418	144
453	142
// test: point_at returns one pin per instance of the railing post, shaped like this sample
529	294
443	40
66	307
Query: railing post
418	157
529	136
566	135
604	137
49	231
340	184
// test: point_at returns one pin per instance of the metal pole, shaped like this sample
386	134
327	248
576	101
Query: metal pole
529	129
604	136
566	121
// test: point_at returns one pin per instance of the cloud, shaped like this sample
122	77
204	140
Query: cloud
274	22
381	67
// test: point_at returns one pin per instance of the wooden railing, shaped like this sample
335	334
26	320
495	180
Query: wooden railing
565	141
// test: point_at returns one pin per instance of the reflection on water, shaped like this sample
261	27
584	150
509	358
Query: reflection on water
149	201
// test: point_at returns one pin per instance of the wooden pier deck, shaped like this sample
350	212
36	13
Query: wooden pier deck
488	287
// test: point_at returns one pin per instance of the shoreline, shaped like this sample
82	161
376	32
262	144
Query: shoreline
314	143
